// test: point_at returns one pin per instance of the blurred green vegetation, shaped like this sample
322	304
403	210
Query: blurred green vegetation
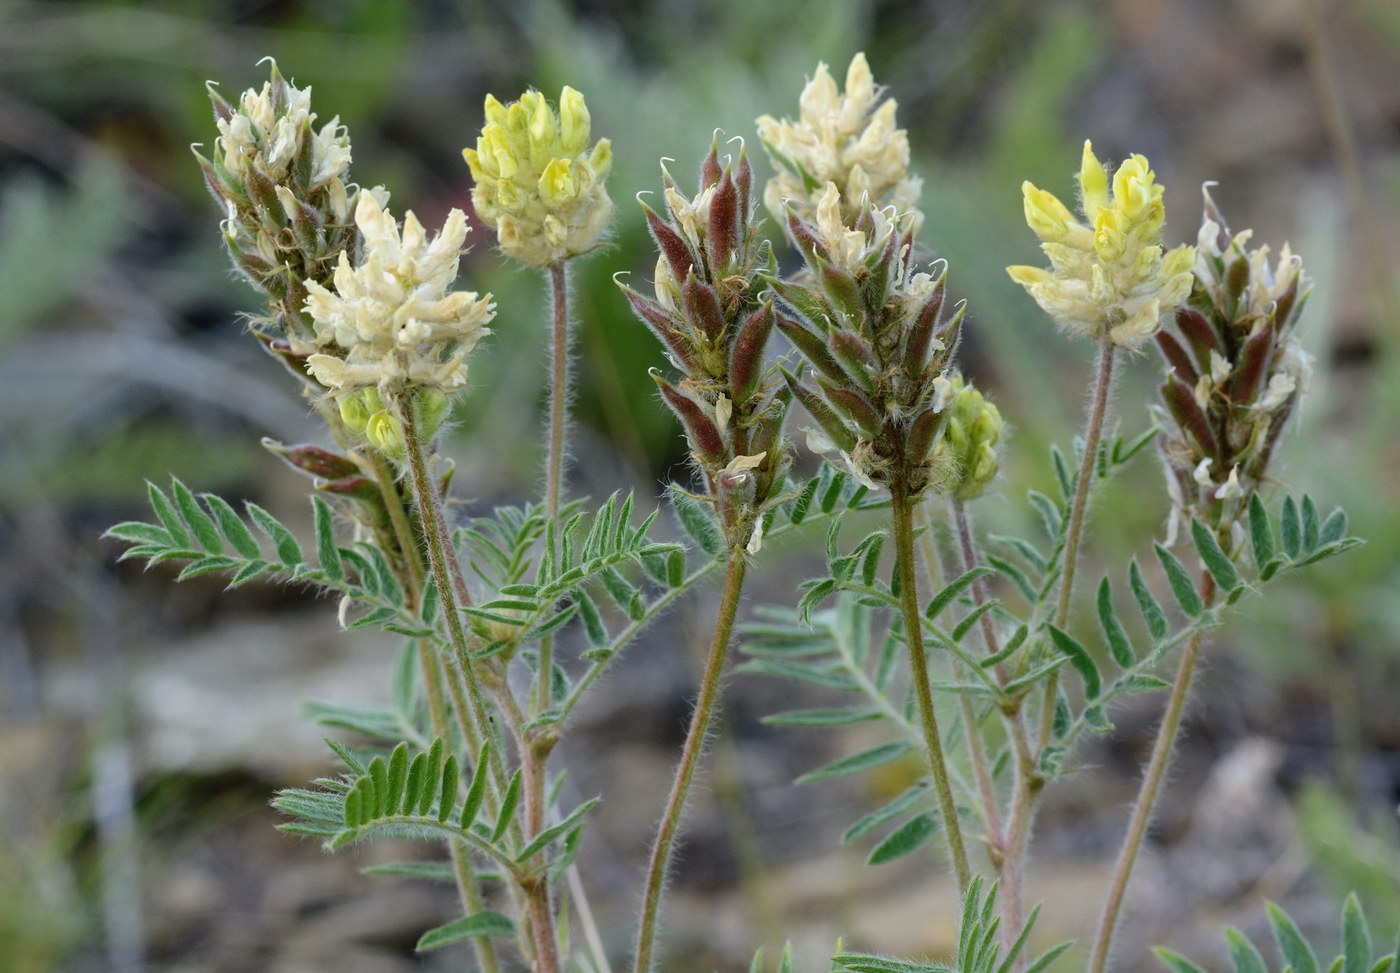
124	358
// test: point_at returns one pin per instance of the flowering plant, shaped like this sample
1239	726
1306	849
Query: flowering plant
966	650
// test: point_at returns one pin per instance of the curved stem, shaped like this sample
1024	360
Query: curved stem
1147	796
1029	781
443	563
690	758
461	861
918	666
990	643
1093	433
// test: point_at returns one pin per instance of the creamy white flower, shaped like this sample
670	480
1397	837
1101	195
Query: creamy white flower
1231	488
393	314
724	409
1202	474
755	543
848	139
258	135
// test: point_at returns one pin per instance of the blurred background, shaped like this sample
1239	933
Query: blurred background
143	725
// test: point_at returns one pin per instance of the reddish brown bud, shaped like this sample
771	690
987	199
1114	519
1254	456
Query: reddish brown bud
743	180
1199	333
1284	306
921	329
1182	405
662	324
746	358
1236	279
923	433
1244	384
724	222
1177	358
672	246
700	429
710	170
313	460
702	308
855	408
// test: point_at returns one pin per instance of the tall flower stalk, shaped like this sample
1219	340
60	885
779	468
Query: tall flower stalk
873	328
713	319
540	182
1235	373
1109	279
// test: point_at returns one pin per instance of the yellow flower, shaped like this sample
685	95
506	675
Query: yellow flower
537	182
846	138
1109	271
392	314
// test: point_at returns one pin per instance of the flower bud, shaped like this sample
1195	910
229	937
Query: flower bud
971	439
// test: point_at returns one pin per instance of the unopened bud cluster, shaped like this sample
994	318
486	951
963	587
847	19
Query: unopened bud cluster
848	139
972	435
283	185
1235	372
710	314
874	330
1108	273
537	180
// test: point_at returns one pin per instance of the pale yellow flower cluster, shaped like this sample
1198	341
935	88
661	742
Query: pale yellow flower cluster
537	181
1110	271
847	139
271	129
392	313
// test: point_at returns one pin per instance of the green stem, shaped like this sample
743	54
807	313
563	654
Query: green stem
1147	796
990	643
903	511
690	758
442	561
461	861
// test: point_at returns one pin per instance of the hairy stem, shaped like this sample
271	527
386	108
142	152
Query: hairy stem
690	758
559	374
1093	432
1147	795
442	560
903	511
461	861
990	642
1029	781
398	520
